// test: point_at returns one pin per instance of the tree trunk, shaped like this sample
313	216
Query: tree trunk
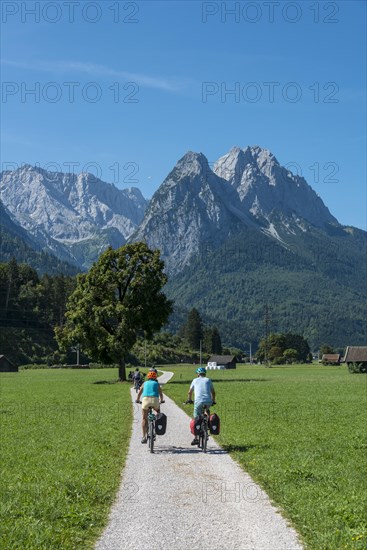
122	371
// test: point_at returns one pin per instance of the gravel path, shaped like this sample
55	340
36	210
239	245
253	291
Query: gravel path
192	500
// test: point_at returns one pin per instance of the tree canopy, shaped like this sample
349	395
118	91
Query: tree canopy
212	340
118	299
284	347
194	329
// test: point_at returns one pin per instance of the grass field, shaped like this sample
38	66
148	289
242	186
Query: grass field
63	441
300	432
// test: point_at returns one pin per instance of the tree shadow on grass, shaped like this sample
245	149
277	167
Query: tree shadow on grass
106	382
215	380
244	448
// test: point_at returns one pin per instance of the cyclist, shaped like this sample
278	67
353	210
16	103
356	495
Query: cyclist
137	378
203	389
150	392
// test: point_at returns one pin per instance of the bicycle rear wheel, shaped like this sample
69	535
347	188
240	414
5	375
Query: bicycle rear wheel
205	440
151	437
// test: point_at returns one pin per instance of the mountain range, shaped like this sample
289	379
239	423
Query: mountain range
72	216
242	235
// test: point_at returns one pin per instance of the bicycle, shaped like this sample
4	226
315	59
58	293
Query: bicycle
204	426
138	384
151	435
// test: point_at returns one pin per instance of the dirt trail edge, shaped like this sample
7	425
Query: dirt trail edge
180	498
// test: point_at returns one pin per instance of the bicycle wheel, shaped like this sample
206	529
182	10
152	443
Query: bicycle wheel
151	436
205	440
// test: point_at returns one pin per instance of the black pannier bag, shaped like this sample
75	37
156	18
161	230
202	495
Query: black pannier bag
160	424
195	425
214	424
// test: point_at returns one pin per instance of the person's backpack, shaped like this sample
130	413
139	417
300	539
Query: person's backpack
214	424
160	424
195	425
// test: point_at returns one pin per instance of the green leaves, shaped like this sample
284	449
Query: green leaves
120	296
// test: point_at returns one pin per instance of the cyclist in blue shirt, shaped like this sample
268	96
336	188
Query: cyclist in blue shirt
150	392
203	389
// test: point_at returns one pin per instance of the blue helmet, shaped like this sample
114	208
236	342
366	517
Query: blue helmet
201	370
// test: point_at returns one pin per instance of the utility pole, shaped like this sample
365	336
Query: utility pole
267	324
250	355
77	349
200	352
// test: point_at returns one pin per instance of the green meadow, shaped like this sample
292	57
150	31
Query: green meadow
64	436
300	431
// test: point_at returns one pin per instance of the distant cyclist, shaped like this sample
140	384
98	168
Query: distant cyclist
203	389
150	392
137	379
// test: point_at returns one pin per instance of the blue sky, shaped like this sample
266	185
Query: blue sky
126	88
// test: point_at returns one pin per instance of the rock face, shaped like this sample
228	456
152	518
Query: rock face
193	208
265	188
196	207
77	214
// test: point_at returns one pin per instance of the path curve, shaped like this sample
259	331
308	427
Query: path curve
193	500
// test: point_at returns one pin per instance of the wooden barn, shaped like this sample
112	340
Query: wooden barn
6	365
331	359
355	354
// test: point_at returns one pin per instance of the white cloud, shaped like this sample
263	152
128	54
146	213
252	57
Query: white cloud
95	70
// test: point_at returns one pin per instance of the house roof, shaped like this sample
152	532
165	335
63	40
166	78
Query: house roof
6	359
355	354
332	357
221	359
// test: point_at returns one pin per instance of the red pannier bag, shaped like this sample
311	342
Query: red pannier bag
195	424
214	424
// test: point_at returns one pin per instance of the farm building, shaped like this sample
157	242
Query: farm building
226	361
355	354
6	365
331	358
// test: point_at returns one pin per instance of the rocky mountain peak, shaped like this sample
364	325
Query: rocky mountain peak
266	188
79	212
190	166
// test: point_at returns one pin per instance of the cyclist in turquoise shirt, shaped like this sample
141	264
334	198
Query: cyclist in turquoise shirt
150	392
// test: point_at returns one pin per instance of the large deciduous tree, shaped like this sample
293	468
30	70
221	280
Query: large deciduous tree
119	297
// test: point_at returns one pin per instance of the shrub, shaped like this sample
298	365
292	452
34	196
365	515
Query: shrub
102	366
357	368
278	361
33	366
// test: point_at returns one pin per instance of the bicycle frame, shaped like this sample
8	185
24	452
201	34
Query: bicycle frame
203	436
151	429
